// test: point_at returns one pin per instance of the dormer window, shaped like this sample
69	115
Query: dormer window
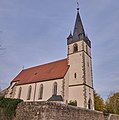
75	47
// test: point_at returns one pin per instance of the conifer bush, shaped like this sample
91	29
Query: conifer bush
73	103
9	106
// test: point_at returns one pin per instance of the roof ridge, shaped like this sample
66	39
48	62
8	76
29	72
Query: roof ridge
45	64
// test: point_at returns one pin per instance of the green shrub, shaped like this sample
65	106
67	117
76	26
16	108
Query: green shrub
9	106
73	103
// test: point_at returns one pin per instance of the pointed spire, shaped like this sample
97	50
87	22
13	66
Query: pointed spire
78	33
70	35
69	38
78	28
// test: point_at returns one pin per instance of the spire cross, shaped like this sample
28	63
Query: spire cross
77	6
23	67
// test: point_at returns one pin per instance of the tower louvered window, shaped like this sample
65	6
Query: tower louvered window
75	47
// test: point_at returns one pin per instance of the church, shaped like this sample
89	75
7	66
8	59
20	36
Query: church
67	80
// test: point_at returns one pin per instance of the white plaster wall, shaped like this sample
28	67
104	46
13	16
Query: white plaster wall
88	66
88	71
76	93
66	87
90	94
48	89
75	62
24	91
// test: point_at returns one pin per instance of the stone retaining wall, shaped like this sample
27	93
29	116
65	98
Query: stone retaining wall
57	111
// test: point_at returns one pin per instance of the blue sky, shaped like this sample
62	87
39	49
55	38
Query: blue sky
35	31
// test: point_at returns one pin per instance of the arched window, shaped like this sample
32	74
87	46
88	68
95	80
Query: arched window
55	88
19	93
29	93
40	95
75	47
89	104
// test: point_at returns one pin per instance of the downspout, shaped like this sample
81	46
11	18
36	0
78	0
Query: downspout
63	88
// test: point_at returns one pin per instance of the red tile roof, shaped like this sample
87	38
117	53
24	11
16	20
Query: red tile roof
49	71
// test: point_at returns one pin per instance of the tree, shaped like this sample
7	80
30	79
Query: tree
98	102
112	103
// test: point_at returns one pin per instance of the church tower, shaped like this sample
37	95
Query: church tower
80	70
